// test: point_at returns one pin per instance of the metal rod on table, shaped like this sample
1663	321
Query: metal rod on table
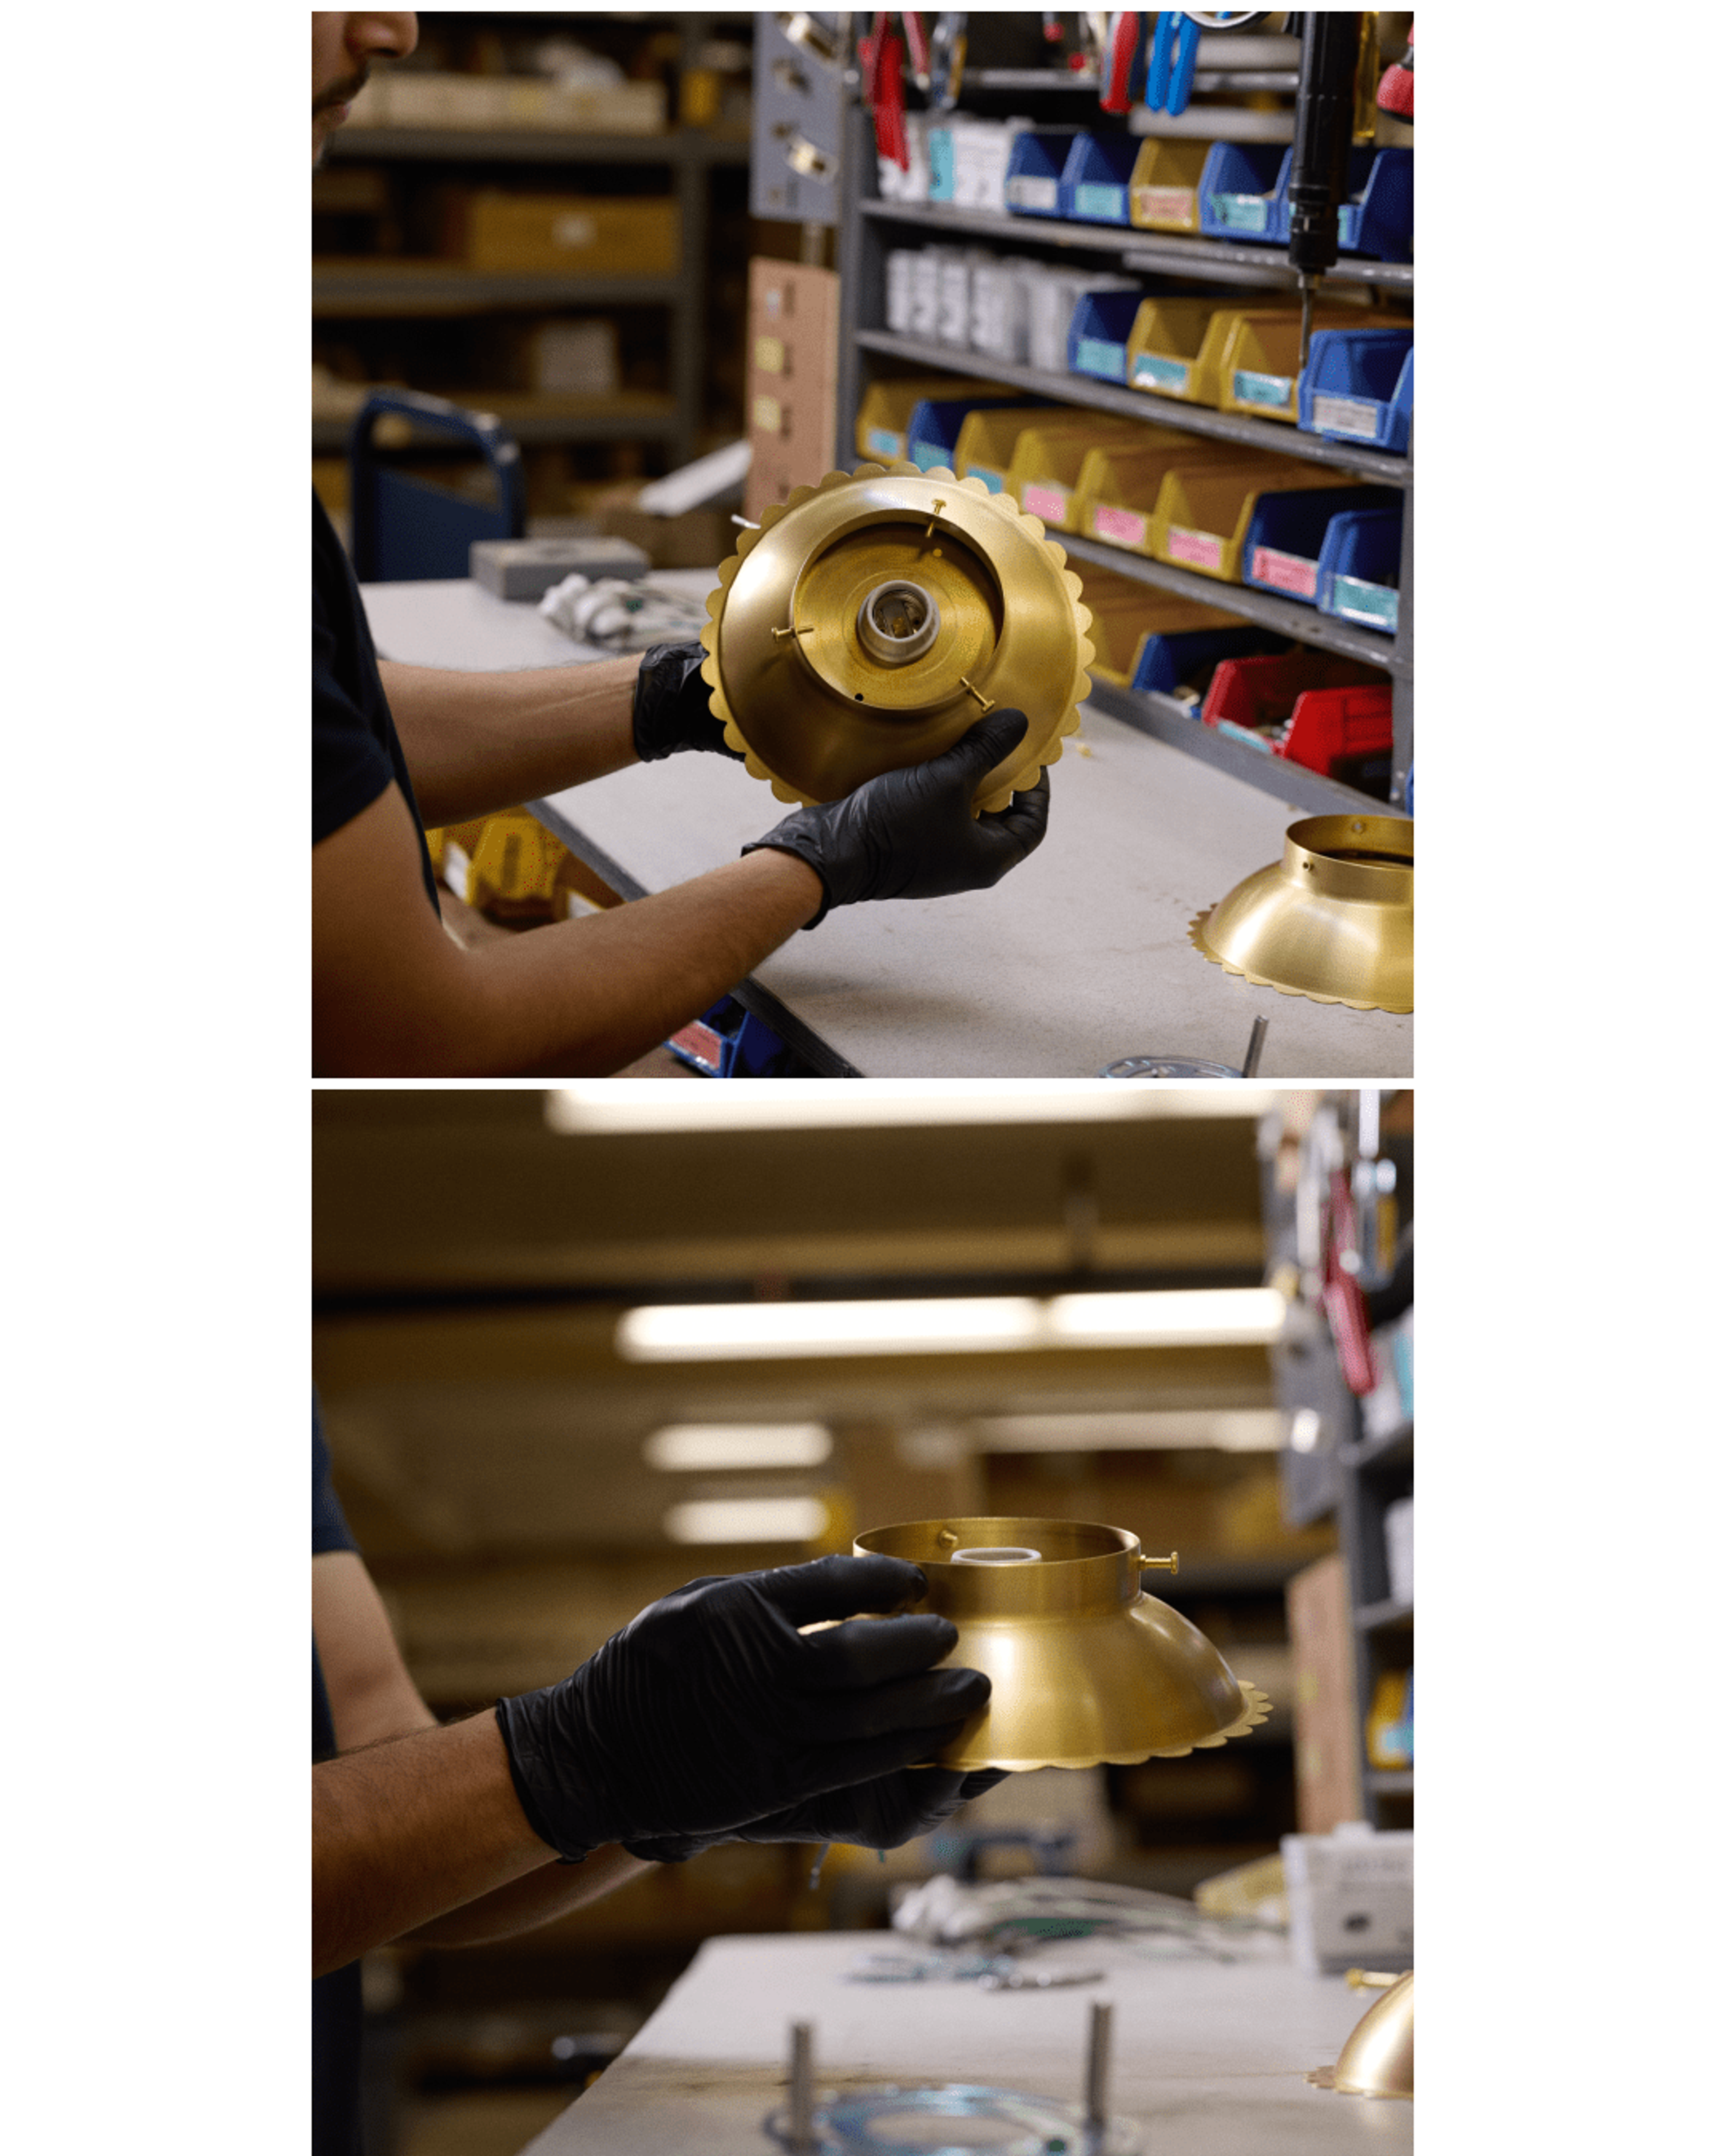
803	2139
1096	2068
1254	1048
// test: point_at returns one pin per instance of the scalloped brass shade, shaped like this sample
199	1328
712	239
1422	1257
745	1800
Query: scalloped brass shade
1377	2058
1332	919
1085	1667
871	620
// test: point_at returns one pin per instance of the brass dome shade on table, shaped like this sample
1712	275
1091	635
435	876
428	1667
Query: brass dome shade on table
871	620
1086	1668
1377	2058
1332	919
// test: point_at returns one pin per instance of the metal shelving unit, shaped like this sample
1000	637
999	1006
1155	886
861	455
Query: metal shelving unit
867	226
371	290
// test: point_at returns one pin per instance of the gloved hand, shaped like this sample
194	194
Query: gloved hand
711	1711
909	833
883	1813
671	710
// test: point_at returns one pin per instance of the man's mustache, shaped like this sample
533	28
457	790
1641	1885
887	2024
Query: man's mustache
340	93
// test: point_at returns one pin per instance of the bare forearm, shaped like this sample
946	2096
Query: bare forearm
478	742
404	1832
528	1902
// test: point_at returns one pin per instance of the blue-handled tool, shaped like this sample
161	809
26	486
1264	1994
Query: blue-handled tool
1173	62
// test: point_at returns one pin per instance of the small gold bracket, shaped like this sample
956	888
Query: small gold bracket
779	635
1168	1564
928	532
987	702
945	1539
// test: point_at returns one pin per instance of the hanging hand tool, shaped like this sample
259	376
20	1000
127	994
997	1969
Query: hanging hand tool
1344	1298
1395	92
916	43
1324	135
1173	61
1118	50
883	88
946	61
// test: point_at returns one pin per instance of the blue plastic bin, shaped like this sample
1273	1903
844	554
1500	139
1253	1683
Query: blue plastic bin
1242	191
1377	218
1034	166
730	1042
1191	655
1359	568
1096	186
1285	540
1359	387
1101	328
932	431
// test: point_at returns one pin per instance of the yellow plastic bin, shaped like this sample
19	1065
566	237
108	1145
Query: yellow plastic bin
1203	508
883	415
1211	371
986	440
1118	488
1162	352
1162	193
1043	475
1258	371
1124	614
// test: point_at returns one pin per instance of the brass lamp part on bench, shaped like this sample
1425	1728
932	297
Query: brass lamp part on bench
1377	2058
1085	1667
871	620
1332	919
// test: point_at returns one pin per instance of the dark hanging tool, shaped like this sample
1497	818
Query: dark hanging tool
1323	135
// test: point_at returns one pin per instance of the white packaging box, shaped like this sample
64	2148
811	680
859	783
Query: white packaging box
926	290
1052	295
980	152
1399	1549
999	309
957	272
900	271
1350	1899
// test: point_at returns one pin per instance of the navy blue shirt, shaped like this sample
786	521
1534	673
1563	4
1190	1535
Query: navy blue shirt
336	2014
355	751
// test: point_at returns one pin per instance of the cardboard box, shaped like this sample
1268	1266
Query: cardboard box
792	379
619	236
1327	1773
423	97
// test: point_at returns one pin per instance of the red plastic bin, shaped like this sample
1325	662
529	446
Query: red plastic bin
1315	708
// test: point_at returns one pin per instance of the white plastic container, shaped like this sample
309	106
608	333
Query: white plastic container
1399	1549
1350	1898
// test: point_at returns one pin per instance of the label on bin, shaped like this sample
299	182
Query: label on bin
1284	573
1169	374
1345	415
1203	550
699	1044
1096	355
1273	389
1050	503
1023	191
1241	213
1356	600
882	442
1165	205
1124	526
1091	200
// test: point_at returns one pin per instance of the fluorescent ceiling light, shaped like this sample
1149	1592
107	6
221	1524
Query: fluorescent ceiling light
693	1447
616	1105
1222	1429
747	1519
1186	1317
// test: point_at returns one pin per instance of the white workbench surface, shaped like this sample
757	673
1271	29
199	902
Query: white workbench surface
1209	2059
1080	957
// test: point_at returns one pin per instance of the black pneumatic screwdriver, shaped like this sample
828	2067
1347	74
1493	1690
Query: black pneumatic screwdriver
1324	135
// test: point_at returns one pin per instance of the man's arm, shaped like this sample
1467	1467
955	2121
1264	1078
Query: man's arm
393	996
478	742
414	1837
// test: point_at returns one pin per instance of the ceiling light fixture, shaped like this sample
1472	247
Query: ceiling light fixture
1176	1317
617	1106
697	1448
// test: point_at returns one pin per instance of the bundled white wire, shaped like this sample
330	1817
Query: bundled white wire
944	1911
622	616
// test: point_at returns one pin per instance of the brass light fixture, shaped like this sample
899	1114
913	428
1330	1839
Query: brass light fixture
1332	919
1085	1667
871	620
1377	2058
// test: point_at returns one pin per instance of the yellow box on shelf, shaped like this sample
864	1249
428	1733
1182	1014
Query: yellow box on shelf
1118	488
1047	458
1204	508
986	440
1125	614
1178	346
1162	192
883	415
1258	368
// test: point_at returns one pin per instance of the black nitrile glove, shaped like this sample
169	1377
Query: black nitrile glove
883	1813
911	835
672	708
711	1711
